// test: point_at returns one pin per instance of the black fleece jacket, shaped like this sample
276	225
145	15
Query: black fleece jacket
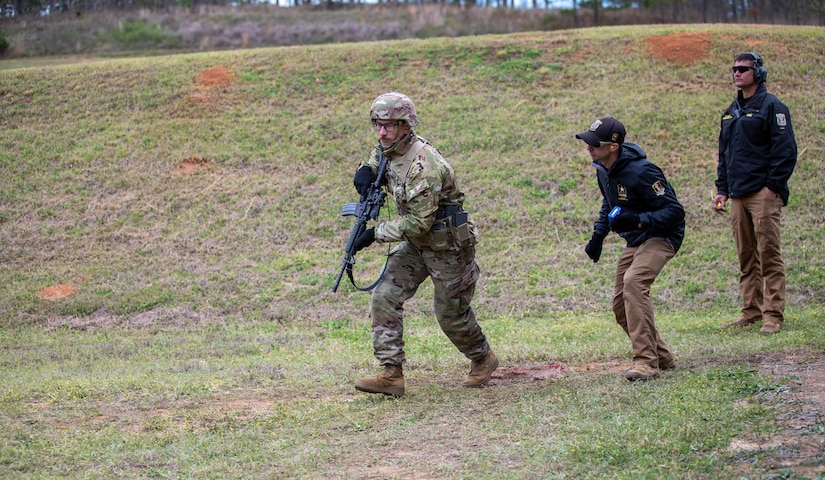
757	148
639	187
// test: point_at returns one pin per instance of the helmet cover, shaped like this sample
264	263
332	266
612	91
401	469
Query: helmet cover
394	106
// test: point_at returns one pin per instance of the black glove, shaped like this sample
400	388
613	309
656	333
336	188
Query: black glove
625	222
364	240
594	248
363	179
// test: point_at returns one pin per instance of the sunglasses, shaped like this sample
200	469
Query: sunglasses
741	68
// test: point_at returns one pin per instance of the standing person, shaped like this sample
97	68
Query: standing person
757	154
652	222
437	241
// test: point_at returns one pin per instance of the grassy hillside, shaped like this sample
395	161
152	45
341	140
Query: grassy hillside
92	192
170	233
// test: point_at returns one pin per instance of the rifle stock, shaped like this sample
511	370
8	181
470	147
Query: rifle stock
364	211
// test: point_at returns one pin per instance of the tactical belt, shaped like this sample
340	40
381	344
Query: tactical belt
451	230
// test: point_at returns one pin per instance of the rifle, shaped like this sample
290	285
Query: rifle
368	208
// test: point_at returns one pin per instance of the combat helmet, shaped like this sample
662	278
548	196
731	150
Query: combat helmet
394	106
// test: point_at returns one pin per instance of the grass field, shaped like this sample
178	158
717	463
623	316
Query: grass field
170	233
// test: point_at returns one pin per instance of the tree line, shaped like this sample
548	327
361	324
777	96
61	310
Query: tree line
788	12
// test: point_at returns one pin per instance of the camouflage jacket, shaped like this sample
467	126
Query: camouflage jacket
420	180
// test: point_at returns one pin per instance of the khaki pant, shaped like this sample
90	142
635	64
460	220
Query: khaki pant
632	305
454	274
756	223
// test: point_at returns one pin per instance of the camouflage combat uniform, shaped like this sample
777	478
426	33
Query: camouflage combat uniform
424	187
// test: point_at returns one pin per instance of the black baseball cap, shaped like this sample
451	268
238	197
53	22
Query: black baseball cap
606	129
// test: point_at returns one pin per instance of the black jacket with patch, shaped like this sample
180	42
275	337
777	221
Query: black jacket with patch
757	148
640	187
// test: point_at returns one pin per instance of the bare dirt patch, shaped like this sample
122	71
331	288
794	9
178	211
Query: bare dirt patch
683	47
528	373
56	292
533	373
208	82
191	165
215	77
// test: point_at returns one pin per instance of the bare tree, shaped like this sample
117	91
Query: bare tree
596	6
575	14
818	6
799	12
704	9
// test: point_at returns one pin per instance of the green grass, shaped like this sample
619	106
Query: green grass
204	340
251	400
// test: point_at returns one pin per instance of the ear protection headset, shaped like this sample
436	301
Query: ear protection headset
760	74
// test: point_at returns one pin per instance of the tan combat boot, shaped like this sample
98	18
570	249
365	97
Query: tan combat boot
770	327
641	372
481	370
388	382
668	364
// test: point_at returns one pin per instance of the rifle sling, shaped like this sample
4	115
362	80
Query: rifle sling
371	286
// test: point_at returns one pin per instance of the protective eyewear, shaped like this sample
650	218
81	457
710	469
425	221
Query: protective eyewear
741	68
390	127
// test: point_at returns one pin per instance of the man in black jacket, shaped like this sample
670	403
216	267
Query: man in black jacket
757	154
651	220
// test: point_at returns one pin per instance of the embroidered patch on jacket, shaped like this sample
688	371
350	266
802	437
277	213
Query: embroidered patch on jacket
658	188
781	120
622	191
727	117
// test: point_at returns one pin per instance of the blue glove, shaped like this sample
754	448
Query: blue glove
364	240
625	222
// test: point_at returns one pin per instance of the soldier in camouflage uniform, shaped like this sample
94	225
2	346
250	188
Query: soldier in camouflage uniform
437	241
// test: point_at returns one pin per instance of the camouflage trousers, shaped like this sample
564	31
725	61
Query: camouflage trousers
454	274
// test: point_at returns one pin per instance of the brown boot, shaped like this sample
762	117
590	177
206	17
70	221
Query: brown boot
481	370
388	382
770	327
668	364
641	372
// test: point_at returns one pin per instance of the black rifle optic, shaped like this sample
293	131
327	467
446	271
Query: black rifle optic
368	208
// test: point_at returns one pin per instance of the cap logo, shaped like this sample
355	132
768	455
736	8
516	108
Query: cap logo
595	125
614	136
